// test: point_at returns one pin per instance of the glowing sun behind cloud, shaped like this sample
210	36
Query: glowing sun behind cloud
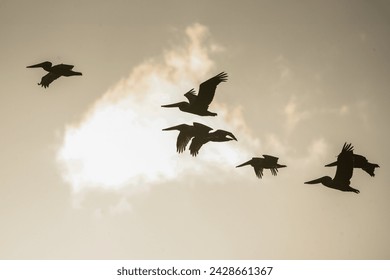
120	141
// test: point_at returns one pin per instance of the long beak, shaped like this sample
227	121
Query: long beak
171	105
281	165
176	127
316	181
332	164
245	163
35	65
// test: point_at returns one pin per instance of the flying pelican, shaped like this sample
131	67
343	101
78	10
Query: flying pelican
187	132
217	136
268	162
55	72
344	171
199	104
360	162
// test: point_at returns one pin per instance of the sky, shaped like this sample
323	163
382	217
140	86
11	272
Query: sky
86	171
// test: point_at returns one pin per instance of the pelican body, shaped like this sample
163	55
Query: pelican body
55	72
187	132
360	162
267	162
344	171
199	104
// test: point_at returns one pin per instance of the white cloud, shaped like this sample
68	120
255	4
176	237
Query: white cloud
120	143
293	115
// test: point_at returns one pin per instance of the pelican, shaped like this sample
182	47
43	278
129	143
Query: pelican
55	72
217	136
199	104
344	171
268	162
360	162
187	132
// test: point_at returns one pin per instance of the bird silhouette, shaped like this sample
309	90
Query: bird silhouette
55	72
360	162
199	104
259	164
344	171
217	136
187	132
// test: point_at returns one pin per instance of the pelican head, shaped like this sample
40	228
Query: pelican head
45	65
223	136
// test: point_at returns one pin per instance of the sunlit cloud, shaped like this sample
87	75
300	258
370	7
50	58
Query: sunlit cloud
120	144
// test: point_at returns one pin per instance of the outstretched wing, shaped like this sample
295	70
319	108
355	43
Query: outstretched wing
63	67
344	169
191	96
258	171
196	144
207	90
274	171
182	140
200	129
270	160
360	161
47	79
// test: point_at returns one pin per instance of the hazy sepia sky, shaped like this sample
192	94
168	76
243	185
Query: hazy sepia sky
87	173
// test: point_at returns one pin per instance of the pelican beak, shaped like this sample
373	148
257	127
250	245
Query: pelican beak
316	181
245	163
331	164
231	135
170	128
36	65
171	105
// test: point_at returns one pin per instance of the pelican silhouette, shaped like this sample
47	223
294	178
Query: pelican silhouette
187	132
360	162
217	136
55	72
199	104
344	171
268	162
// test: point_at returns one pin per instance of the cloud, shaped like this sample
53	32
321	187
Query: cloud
293	115
119	143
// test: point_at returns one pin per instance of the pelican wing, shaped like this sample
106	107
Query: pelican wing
271	160
185	135
274	171
191	96
201	128
48	78
258	171
361	162
182	140
207	90
63	67
344	169
196	143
